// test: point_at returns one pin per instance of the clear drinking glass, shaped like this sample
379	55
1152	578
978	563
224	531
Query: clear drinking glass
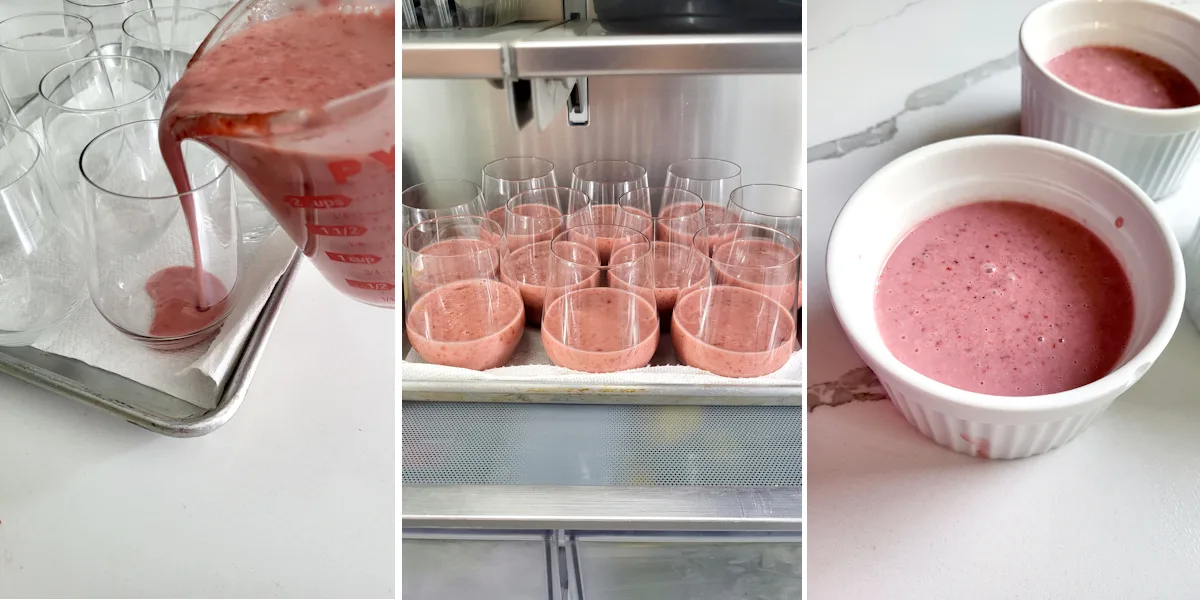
605	181
150	277
676	216
507	177
710	178
591	322
41	262
166	38
532	220
107	17
84	98
32	45
459	313
738	318
776	206
441	198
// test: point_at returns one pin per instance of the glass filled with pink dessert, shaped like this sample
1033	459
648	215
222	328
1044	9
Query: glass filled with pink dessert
605	181
508	177
737	318
590	322
458	311
676	216
532	220
710	178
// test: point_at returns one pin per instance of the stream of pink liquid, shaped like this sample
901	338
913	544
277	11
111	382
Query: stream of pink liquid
333	198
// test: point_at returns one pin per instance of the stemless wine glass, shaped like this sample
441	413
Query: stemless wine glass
532	220
107	16
737	319
41	262
776	206
459	312
676	216
84	98
30	46
166	37
164	265
507	177
589	324
441	198
605	181
710	178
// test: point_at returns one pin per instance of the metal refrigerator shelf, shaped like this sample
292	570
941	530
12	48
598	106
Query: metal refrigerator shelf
554	49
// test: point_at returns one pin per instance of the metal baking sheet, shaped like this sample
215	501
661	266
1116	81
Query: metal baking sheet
522	392
140	404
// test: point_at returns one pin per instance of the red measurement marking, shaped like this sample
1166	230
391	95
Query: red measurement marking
331	201
343	169
337	230
358	259
387	158
377	286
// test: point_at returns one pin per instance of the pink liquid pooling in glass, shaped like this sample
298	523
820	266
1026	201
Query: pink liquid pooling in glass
674	266
474	324
760	265
610	330
541	223
527	270
732	331
1005	298
1125	76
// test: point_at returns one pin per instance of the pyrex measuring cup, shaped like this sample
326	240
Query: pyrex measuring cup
326	173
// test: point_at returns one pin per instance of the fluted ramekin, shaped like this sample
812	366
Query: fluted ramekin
1153	147
941	176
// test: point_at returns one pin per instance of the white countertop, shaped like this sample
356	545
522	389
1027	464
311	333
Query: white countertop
1113	514
295	497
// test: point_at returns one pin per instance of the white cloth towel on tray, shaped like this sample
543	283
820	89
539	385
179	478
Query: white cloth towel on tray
193	374
530	363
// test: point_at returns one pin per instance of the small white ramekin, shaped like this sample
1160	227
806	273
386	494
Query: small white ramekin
1154	148
938	177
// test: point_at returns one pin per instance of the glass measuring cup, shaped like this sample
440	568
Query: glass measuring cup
326	173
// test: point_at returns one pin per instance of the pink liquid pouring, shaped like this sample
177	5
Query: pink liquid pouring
1005	298
331	187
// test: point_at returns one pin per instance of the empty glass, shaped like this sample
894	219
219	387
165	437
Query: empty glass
84	98
600	319
41	262
441	198
32	45
738	318
532	220
459	313
166	38
507	177
150	277
676	216
107	17
711	179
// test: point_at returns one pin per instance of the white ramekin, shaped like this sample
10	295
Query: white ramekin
938	177
1154	148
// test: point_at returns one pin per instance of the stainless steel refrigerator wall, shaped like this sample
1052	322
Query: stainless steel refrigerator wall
452	128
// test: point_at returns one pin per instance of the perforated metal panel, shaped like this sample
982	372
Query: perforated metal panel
547	444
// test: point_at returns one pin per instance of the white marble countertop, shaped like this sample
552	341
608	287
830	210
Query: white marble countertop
1113	514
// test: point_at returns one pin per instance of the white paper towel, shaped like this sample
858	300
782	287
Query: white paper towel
192	374
530	364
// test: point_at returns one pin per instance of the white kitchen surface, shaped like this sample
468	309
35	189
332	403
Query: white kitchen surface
295	497
1114	513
